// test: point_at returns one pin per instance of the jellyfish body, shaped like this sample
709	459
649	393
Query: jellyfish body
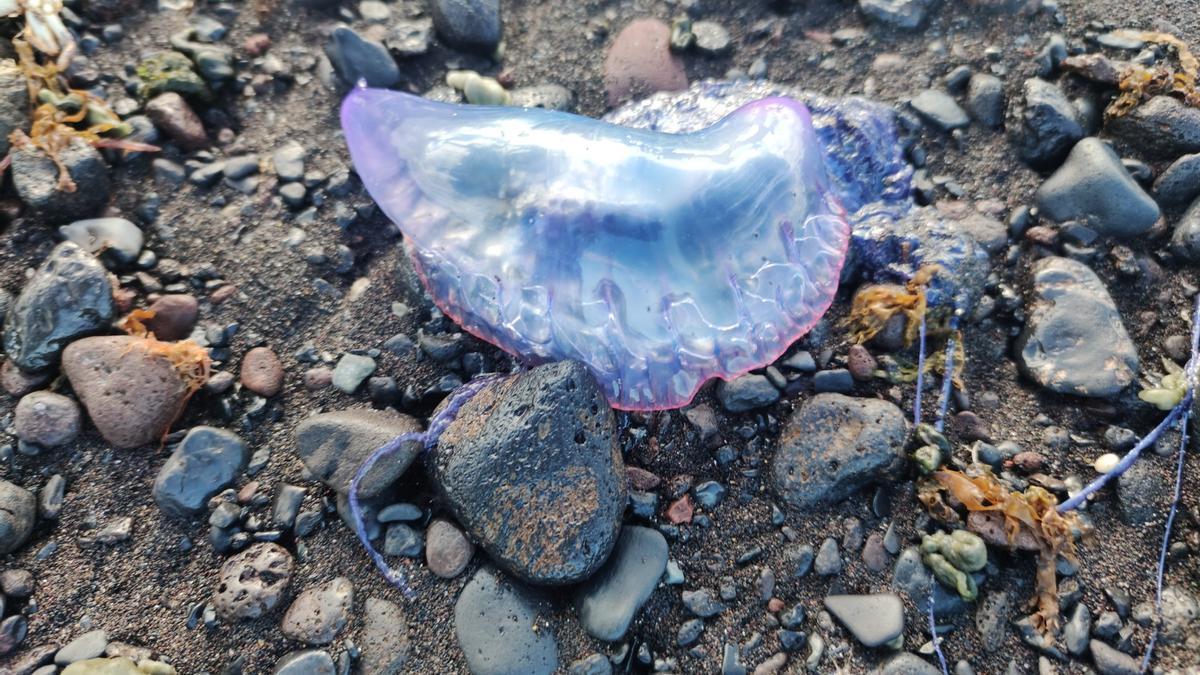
659	260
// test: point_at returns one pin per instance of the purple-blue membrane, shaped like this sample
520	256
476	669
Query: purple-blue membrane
660	260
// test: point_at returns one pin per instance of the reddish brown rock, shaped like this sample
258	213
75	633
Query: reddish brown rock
262	372
317	378
131	394
447	549
640	62
860	363
174	317
175	118
641	479
680	511
989	525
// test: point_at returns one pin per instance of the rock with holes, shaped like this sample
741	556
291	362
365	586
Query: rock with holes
253	582
532	470
131	392
834	445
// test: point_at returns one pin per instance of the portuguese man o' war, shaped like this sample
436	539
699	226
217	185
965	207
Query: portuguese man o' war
699	239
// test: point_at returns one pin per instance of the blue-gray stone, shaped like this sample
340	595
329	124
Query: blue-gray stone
609	600
703	603
206	462
356	58
709	493
116	238
69	297
746	392
834	445
1109	661
494	621
1074	341
837	380
468	24
689	632
1093	186
940	110
1185	241
1179	184
402	540
1049	125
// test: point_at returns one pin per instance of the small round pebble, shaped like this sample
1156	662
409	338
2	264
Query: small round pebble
262	372
47	419
1106	462
447	549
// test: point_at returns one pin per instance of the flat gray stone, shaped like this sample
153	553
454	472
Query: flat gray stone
494	622
115	238
874	620
1109	661
1093	186
834	445
307	662
609	600
87	646
1074	341
18	513
940	109
206	462
907	664
334	445
351	370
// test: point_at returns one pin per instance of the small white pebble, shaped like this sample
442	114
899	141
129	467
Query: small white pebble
1105	463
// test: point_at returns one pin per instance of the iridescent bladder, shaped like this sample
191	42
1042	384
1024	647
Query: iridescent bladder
659	260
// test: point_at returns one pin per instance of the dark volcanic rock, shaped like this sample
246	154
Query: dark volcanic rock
1179	183
532	469
746	392
1049	127
1074	341
206	461
355	57
35	176
834	445
1093	186
985	99
468	24
69	296
131	395
609	600
1163	127
333	445
494	621
14	102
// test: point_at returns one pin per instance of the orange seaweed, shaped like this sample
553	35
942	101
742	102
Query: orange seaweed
1031	512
